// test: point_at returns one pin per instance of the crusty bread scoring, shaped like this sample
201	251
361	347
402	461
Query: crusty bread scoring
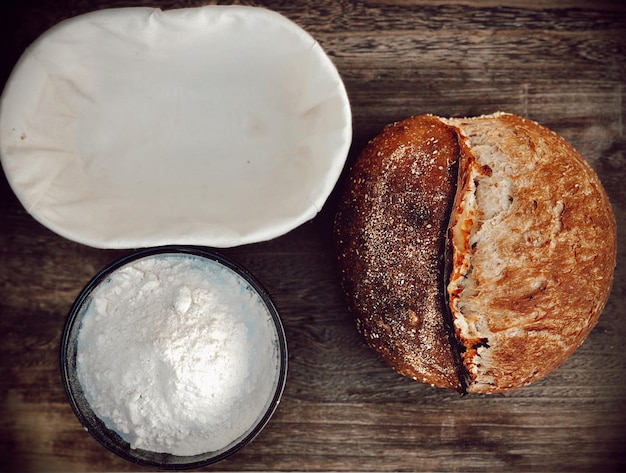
531	242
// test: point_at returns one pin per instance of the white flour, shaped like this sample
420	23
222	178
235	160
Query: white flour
177	354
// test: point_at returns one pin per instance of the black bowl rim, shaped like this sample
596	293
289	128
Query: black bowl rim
113	442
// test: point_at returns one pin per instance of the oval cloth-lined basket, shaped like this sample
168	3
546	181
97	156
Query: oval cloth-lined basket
135	127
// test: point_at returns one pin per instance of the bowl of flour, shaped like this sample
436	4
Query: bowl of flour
174	357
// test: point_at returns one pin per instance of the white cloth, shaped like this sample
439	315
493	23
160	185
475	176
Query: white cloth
136	127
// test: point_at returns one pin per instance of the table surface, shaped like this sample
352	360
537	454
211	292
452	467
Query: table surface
562	63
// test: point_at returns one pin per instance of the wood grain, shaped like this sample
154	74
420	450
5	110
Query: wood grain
562	63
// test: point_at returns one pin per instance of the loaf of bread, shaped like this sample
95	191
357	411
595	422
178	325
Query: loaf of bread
476	254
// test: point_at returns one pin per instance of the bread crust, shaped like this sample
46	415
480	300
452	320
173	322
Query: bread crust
389	234
554	246
531	270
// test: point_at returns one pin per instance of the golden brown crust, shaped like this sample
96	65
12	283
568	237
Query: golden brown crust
390	231
533	269
555	248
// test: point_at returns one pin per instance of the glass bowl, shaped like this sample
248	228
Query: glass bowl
104	429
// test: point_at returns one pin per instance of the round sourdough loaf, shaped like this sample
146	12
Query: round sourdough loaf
477	254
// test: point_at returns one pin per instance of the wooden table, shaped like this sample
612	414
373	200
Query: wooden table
562	63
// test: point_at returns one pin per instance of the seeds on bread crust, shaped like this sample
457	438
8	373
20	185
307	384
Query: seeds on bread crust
390	235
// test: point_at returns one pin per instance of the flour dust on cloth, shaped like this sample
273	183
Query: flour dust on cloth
134	127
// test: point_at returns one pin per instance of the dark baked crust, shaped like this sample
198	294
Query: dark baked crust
390	234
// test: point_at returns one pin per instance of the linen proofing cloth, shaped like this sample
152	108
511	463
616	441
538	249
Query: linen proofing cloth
135	127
